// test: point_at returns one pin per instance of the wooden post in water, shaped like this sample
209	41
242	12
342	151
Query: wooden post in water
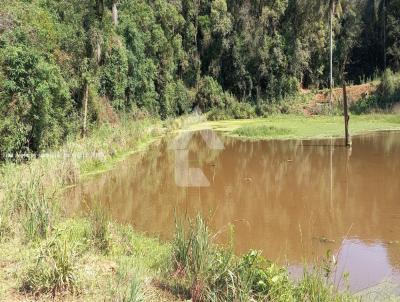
346	116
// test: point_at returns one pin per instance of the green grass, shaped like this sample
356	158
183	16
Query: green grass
262	131
301	127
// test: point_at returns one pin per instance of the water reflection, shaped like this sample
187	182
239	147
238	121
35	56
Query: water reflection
293	200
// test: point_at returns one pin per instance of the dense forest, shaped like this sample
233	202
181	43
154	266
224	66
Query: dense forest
65	64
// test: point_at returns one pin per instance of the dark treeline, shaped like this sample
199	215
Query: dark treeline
68	63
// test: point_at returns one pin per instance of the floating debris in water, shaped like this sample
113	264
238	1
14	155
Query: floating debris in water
323	239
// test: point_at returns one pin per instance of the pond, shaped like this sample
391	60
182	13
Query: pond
293	200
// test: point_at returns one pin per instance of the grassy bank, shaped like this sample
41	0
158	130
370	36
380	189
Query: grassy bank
44	254
301	127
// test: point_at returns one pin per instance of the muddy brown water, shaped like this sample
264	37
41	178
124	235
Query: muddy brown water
293	200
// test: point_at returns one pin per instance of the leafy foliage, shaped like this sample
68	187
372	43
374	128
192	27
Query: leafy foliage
34	101
165	58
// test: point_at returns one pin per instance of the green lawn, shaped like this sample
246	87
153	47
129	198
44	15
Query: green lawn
301	127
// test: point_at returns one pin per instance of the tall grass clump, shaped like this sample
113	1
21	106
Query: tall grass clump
28	200
53	270
99	233
202	271
5	225
262	131
314	287
128	287
38	218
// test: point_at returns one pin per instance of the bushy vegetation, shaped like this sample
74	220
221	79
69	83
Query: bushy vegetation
63	62
202	271
387	94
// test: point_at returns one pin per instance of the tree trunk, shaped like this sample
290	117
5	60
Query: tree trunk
115	13
85	107
100	8
384	34
98	51
332	9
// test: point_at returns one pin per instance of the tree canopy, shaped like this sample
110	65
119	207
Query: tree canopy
164	57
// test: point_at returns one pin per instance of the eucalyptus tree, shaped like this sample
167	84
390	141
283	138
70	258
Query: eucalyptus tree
380	13
393	34
334	7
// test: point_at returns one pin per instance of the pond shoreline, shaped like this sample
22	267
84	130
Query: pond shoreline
125	248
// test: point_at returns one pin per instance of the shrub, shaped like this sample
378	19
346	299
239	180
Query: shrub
210	95
217	114
365	105
176	100
242	110
232	109
388	91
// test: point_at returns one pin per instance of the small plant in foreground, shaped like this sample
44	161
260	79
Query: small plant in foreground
5	228
38	218
53	272
99	219
128	287
27	198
